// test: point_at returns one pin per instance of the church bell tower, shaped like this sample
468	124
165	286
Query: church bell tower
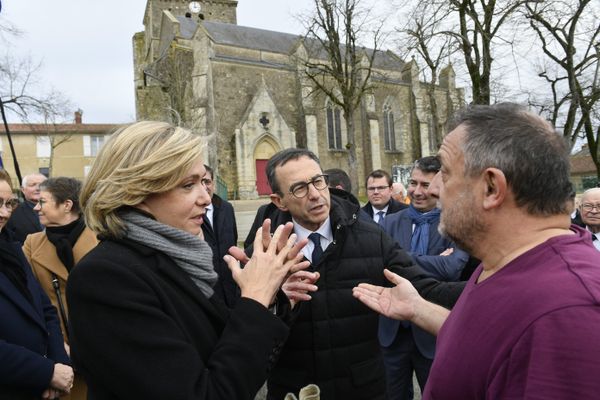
208	10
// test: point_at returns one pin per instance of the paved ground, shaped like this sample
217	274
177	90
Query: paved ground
245	211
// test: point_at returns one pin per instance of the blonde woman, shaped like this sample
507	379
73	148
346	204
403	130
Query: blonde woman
144	323
53	252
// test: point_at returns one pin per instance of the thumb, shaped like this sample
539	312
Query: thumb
392	277
233	264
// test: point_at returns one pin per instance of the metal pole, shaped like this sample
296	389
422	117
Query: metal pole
10	142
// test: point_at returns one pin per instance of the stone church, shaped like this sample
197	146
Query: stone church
246	91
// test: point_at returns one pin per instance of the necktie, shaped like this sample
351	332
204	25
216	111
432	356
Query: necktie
318	250
594	237
207	222
381	217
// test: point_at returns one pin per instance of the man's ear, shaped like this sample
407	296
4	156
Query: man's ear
495	188
278	201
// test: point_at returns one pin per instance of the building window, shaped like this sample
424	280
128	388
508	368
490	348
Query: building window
44	171
43	147
92	145
389	131
334	127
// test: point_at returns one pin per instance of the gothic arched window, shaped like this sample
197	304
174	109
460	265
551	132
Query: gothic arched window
389	131
334	127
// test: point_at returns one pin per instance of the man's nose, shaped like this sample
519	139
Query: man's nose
313	192
203	198
434	186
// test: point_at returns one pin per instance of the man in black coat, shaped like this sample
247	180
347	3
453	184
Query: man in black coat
220	232
24	219
333	338
379	193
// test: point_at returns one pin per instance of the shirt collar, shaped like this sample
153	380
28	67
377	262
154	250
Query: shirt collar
324	230
384	209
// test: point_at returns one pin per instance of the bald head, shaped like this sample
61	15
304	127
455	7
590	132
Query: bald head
398	192
590	209
31	186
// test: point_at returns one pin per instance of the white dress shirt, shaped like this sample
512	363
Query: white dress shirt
302	233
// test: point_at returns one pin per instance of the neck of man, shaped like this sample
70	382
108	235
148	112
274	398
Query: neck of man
511	236
593	228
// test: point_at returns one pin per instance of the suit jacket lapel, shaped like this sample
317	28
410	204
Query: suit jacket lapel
406	231
44	255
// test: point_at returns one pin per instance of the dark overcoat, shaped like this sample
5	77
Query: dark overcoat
221	236
333	340
141	329
30	338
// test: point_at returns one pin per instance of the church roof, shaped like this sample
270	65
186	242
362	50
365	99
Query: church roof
262	39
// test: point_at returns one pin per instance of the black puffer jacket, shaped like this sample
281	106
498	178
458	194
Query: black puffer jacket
333	340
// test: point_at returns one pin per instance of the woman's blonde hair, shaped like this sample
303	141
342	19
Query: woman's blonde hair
138	160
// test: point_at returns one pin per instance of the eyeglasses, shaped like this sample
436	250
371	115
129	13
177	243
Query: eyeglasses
11	204
589	207
41	202
206	181
377	188
300	189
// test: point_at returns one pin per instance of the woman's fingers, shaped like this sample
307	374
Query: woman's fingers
239	254
234	266
265	235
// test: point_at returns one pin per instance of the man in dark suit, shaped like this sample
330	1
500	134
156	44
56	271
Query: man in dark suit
379	193
220	232
333	339
24	219
406	347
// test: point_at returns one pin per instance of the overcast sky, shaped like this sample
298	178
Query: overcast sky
85	45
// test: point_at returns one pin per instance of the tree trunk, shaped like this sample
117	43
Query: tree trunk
351	146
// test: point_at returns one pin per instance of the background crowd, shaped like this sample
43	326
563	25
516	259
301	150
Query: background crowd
130	286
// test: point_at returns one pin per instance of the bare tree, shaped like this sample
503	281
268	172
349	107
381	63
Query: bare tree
336	30
425	38
482	25
569	34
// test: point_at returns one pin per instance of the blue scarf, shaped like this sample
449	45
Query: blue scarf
419	242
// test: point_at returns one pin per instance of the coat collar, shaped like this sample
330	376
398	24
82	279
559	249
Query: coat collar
167	267
43	252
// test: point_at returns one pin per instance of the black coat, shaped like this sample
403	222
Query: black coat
24	221
333	341
30	338
221	236
393	207
141	329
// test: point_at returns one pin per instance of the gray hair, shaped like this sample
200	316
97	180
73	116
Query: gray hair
24	180
525	147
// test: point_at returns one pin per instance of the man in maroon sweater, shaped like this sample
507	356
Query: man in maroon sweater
527	324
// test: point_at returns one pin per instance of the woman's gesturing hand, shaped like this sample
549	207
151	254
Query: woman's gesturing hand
274	258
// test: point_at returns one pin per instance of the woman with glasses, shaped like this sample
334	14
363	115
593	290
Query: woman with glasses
144	321
53	252
33	361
